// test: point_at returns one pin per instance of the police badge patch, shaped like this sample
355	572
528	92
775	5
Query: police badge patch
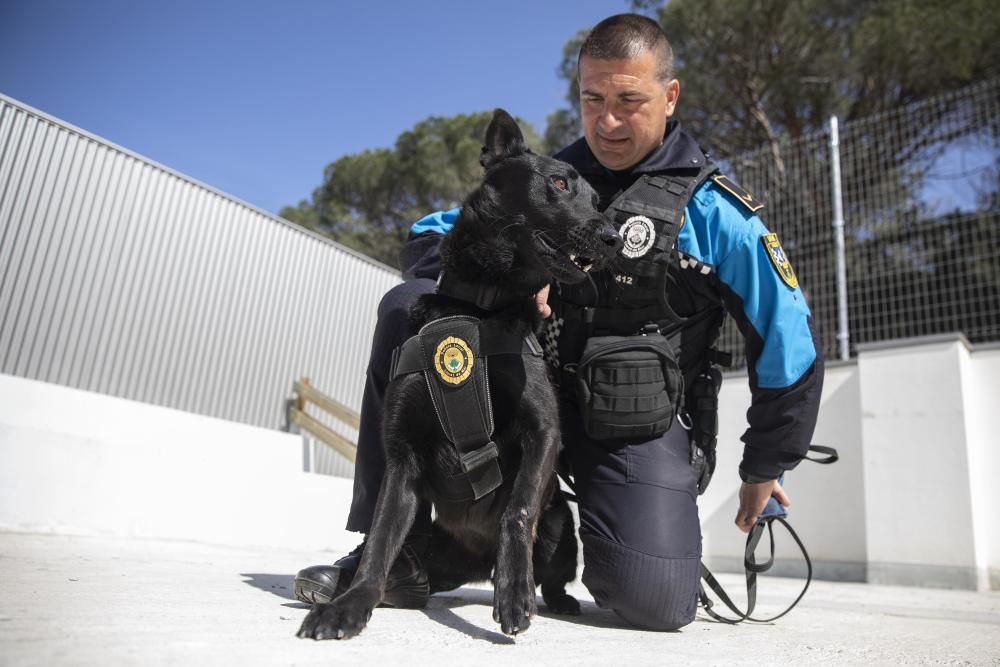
638	233
453	360
778	258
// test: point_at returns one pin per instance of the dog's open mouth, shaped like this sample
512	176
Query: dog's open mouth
566	266
585	264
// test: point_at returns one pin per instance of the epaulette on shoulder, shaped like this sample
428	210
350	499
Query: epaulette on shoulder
742	196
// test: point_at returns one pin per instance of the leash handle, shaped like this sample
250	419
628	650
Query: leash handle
831	454
752	569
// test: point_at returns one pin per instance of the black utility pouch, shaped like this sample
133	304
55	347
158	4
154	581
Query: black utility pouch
628	387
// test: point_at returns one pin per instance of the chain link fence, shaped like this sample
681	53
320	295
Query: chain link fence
921	206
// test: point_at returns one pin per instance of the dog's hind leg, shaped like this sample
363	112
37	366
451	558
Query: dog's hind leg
555	556
451	564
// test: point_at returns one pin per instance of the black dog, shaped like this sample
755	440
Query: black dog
531	222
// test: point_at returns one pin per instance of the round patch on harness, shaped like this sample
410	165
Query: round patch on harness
638	232
453	360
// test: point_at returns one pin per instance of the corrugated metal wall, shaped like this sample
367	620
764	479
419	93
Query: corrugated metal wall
120	276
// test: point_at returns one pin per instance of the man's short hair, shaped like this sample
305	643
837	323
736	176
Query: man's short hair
626	36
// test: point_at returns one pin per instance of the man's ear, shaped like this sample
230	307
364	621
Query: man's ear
671	92
503	139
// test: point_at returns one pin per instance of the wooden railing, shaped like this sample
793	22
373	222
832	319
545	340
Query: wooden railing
306	393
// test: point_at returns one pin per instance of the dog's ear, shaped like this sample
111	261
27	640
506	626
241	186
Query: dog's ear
503	139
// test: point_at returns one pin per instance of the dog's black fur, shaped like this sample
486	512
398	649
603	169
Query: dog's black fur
521	229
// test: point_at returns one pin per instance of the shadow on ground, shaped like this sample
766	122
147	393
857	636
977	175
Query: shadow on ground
281	585
441	605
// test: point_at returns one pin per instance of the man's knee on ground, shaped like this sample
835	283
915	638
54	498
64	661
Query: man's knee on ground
647	591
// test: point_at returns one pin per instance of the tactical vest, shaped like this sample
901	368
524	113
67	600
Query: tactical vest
638	389
453	354
634	292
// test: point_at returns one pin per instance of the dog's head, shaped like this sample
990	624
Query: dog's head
543	213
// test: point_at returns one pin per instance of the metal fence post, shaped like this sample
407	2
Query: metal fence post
843	335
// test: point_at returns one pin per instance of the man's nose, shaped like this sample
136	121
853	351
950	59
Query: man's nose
608	120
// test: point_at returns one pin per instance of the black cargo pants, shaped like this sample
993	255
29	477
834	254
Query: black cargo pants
638	513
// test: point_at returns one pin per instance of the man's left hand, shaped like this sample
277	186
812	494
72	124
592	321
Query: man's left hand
542	301
753	499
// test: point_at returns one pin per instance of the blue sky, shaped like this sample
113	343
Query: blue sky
255	98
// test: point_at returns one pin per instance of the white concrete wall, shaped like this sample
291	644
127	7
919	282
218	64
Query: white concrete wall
914	497
982	398
77	462
919	519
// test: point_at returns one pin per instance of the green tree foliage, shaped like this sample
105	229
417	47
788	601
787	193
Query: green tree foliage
368	200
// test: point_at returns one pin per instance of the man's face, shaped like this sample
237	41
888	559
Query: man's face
624	108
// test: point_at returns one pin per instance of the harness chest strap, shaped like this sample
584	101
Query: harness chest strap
453	353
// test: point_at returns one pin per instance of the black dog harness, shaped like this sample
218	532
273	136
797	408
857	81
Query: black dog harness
453	354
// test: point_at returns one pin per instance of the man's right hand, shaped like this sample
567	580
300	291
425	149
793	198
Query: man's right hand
753	499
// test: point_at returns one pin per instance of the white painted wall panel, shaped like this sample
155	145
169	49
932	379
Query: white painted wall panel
981	393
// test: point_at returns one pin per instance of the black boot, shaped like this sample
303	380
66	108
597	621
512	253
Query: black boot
407	586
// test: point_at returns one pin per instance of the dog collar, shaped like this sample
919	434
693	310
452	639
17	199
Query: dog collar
485	297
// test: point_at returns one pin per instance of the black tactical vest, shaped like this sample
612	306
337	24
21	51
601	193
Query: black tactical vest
632	294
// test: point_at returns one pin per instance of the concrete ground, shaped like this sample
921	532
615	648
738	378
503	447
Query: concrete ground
111	601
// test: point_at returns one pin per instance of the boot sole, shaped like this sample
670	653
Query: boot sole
413	596
313	592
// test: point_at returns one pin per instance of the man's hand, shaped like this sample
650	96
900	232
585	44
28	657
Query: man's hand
753	499
542	301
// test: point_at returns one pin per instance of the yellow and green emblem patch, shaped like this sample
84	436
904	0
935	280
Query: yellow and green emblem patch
779	259
453	360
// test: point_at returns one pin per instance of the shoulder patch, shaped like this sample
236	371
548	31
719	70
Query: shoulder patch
779	259
742	195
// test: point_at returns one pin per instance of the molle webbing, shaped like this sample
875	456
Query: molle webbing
452	352
637	294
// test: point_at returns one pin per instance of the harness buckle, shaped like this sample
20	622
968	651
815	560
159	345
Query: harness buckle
485	454
650	328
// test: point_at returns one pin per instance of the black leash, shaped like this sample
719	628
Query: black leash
753	568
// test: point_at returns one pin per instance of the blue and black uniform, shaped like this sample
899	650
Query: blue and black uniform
638	510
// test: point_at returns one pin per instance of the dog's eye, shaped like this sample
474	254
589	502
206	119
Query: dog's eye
560	182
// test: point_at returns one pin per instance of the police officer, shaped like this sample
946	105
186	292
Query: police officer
695	249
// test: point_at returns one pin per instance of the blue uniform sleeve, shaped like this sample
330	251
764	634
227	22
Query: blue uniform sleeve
420	256
439	221
784	356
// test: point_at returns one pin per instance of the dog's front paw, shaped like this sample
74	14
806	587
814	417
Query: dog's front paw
514	606
340	619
